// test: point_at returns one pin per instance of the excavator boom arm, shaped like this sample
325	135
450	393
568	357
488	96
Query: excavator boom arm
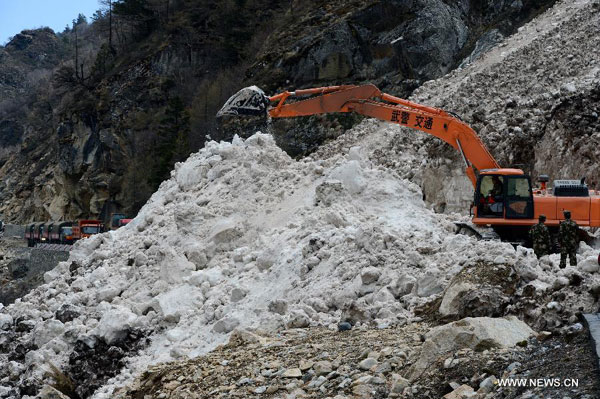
370	101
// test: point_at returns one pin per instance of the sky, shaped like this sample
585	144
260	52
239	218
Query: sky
16	15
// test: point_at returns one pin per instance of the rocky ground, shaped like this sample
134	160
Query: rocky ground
371	363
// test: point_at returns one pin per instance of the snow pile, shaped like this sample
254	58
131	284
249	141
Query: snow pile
242	236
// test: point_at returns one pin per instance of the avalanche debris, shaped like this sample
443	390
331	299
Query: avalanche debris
242	237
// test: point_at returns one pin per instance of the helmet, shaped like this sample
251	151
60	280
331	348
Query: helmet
567	214
542	218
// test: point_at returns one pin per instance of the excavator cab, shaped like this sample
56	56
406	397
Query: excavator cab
504	193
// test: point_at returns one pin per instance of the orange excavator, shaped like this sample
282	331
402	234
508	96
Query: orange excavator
504	198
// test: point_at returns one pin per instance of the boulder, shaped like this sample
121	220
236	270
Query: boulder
452	296
323	367
49	392
478	290
477	333
486	301
463	391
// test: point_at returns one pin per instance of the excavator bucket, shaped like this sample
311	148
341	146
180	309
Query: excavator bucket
248	101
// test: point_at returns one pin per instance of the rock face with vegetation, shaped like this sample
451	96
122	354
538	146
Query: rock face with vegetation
92	119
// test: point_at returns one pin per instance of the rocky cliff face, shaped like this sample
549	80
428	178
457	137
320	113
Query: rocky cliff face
106	144
27	60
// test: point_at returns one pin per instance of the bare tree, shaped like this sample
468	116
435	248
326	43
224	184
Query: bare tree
108	8
76	49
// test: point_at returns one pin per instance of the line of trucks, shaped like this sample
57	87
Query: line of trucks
66	232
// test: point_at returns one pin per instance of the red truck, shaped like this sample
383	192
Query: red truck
124	222
86	228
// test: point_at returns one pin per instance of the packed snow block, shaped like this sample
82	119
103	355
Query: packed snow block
226	325
526	267
260	140
589	264
477	333
173	303
197	255
191	173
99	275
238	293
428	285
42	260
370	275
225	232
114	324
240	253
189	219
140	259
351	175
266	260
14	369
317	304
174	267
328	192
83	249
108	293
403	285
212	276
6	321
47	331
298	319
279	306
176	334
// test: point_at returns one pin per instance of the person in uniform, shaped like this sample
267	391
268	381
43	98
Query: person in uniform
540	238
569	240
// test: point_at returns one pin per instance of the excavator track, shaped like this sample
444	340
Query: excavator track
486	234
